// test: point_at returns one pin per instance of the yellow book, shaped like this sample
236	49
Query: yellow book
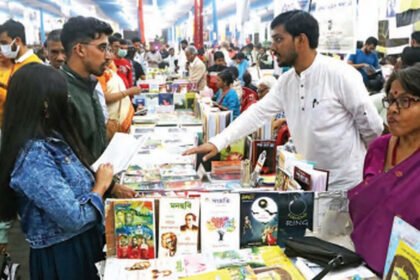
405	265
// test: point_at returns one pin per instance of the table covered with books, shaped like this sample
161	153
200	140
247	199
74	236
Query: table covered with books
221	221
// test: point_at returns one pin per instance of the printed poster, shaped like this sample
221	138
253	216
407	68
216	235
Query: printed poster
337	33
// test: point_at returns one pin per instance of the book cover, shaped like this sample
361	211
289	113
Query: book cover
234	151
405	264
303	178
178	226
295	214
401	231
135	229
219	222
259	219
257	147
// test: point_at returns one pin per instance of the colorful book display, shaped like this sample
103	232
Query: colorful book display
219	222
178	226
135	229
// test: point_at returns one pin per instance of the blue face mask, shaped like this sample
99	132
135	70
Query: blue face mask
122	53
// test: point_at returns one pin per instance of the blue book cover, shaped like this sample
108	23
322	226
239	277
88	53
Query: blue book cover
295	214
166	99
259	219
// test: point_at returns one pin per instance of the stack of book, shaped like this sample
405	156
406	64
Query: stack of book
225	171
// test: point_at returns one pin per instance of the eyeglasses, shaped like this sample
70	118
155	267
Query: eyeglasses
402	102
102	47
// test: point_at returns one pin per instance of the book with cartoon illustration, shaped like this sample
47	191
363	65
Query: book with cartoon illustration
401	231
219	222
259	219
178	226
295	214
405	264
135	228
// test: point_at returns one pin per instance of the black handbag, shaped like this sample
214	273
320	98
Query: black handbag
9	270
323	253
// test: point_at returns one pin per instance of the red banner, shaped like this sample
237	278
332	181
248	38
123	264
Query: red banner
141	21
198	23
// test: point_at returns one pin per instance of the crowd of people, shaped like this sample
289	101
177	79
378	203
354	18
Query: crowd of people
57	119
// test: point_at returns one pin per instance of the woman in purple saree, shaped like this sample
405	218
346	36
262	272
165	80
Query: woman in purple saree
391	179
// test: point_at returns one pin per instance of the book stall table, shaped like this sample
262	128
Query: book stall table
184	225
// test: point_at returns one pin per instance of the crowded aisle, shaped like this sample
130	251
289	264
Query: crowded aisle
230	140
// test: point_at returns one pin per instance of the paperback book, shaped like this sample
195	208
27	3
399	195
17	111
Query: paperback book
259	219
178	226
135	228
295	214
219	222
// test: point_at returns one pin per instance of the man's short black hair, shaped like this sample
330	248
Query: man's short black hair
112	39
123	42
82	29
371	41
218	55
136	40
299	22
54	36
14	29
184	42
118	35
416	36
234	71
410	56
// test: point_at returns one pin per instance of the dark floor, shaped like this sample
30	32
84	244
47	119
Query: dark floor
19	250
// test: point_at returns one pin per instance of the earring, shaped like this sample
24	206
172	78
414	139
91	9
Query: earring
46	115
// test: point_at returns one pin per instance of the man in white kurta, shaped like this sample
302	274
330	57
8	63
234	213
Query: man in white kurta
328	110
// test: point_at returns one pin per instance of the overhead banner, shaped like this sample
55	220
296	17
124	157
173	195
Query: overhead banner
337	25
198	23
140	18
281	6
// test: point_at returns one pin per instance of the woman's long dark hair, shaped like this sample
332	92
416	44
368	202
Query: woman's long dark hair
36	106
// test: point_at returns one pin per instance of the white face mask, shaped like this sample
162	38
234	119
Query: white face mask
6	50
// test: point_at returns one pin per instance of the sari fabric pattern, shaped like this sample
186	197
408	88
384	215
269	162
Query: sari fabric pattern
381	196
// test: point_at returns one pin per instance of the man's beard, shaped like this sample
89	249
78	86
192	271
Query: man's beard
289	61
99	71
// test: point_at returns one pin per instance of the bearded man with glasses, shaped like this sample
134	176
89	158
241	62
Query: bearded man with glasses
85	41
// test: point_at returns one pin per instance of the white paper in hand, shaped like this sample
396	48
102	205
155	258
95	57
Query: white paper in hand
119	152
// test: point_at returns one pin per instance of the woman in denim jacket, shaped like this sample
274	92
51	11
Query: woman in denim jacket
45	179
